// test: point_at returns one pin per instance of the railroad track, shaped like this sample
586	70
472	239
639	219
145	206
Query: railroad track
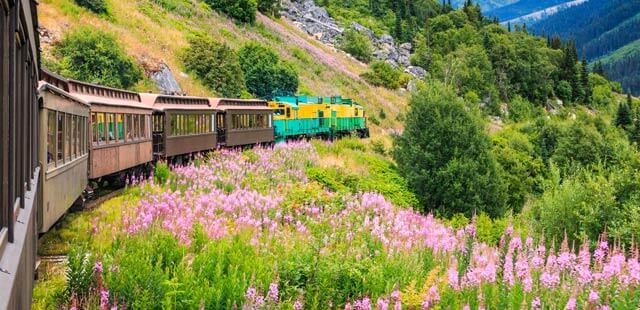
88	205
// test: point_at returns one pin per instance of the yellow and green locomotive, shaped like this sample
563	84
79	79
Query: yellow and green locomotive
308	116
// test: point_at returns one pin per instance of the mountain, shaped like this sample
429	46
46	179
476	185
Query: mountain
523	8
605	30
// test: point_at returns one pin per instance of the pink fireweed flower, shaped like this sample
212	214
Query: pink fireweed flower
104	299
97	268
452	274
593	296
363	304
507	270
273	292
536	303
382	304
298	304
571	304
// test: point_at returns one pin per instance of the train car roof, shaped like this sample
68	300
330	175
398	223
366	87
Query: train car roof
239	104
168	102
42	86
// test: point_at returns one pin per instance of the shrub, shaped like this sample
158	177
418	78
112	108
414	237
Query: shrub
216	65
356	44
265	74
377	146
95	56
445	155
271	7
240	10
96	6
564	91
161	173
383	74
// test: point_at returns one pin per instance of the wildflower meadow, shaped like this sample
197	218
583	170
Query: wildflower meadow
262	229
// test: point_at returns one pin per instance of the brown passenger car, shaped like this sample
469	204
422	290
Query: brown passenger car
181	125
120	128
64	122
244	122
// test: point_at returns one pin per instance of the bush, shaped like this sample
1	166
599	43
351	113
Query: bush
216	65
265	74
96	6
271	7
161	173
564	91
383	74
357	44
96	57
445	155
240	10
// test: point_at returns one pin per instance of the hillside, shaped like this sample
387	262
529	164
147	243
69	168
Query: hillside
604	30
155	35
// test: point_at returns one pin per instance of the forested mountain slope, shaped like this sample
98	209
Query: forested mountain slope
602	29
522	7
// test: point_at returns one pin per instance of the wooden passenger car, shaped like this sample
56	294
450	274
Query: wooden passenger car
120	128
64	152
181	125
19	167
243	122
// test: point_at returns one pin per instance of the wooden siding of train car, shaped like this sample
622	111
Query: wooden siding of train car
109	158
19	171
64	183
239	137
187	144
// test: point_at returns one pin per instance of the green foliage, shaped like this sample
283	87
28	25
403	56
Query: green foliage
241	10
79	273
161	173
356	44
521	110
216	65
270	7
180	7
445	155
96	6
564	91
265	74
383	74
624	115
523	171
95	56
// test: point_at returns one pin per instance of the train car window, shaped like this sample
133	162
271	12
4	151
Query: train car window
94	128
60	139
220	122
174	124
145	128
68	138
128	122
120	127
111	127
51	138
270	121
74	137
136	126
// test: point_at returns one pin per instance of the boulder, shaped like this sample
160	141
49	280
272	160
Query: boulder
417	72
165	81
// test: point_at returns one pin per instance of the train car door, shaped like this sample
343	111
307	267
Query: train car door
334	119
158	134
222	127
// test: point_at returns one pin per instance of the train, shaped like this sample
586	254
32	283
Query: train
60	137
90	133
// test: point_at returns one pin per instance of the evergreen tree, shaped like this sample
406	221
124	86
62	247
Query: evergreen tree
556	43
634	136
623	116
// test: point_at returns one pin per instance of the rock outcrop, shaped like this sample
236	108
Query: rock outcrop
315	21
165	80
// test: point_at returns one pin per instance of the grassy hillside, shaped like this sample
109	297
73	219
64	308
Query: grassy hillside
151	33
